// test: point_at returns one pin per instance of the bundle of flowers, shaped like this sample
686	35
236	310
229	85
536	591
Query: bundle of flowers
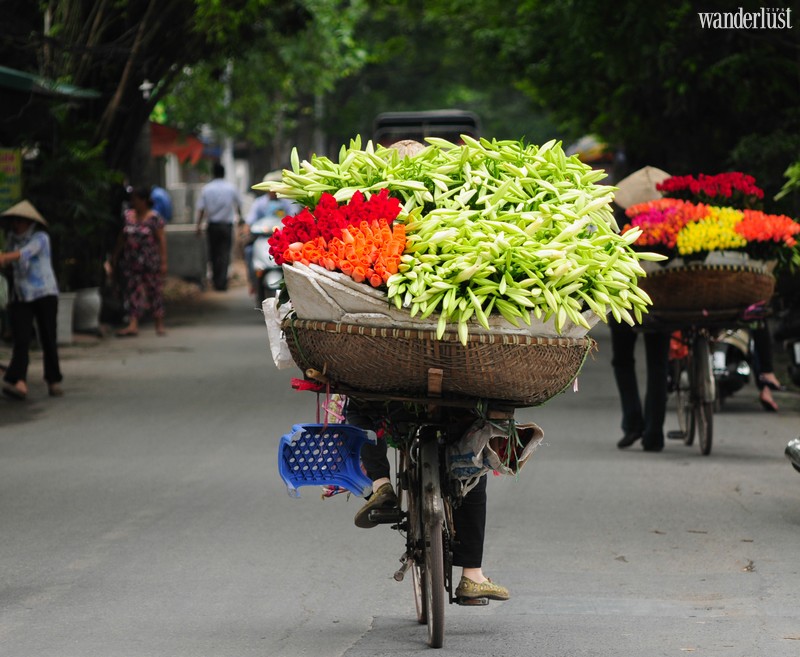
675	228
356	238
735	188
486	227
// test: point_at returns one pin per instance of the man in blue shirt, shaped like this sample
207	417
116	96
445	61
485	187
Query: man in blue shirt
219	205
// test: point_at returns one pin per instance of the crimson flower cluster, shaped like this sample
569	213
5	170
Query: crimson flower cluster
734	189
329	218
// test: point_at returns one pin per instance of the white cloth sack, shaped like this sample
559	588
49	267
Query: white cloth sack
273	316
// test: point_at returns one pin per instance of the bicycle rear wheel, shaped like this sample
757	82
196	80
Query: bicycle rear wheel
434	583
432	522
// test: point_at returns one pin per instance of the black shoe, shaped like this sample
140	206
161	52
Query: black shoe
628	439
652	447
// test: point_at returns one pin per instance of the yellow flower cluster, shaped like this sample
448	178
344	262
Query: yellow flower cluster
714	233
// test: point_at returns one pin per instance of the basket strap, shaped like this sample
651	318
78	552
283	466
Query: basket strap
306	362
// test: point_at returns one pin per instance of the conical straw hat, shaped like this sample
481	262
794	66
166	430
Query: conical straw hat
25	210
639	187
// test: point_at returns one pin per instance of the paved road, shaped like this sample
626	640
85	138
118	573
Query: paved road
142	516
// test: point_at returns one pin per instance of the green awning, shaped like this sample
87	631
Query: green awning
13	79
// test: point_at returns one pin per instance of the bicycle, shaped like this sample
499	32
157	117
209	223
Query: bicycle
693	378
695	389
426	492
442	380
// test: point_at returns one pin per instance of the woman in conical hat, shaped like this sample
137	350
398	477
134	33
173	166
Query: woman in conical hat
33	297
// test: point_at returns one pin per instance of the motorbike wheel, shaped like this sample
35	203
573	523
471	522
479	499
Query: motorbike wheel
684	406
704	393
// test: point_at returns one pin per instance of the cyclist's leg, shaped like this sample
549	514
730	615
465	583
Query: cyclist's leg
375	460
469	523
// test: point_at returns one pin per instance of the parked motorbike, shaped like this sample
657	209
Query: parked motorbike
793	453
788	332
731	362
268	274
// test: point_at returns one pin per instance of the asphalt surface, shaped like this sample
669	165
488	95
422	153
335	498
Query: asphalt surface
142	515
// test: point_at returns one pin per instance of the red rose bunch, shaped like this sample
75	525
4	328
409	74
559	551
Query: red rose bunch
732	189
329	219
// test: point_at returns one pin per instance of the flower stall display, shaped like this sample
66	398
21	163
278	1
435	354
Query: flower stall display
721	249
487	260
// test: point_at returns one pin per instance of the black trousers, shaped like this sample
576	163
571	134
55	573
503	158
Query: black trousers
21	315
762	353
648	418
220	240
469	519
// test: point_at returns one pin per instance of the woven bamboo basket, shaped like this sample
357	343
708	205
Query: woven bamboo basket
519	370
707	290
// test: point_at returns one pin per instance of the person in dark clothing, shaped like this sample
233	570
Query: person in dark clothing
640	421
765	378
645	421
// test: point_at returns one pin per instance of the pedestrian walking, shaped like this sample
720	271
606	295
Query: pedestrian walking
643	421
220	207
140	257
33	298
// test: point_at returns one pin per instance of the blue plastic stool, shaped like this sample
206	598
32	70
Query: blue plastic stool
324	455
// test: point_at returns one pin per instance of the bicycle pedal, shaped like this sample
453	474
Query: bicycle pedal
385	516
472	602
675	435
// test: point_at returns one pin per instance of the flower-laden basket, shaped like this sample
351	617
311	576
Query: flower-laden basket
516	369
718	291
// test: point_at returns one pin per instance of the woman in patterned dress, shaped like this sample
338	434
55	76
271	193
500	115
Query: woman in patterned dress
141	256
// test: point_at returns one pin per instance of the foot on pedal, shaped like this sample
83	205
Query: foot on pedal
487	589
472	602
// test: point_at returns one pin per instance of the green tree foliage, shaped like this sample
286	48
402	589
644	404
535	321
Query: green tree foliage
649	78
420	58
118	48
263	92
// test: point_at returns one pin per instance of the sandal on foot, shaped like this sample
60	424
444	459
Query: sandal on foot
12	391
488	589
772	386
382	498
125	333
769	406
